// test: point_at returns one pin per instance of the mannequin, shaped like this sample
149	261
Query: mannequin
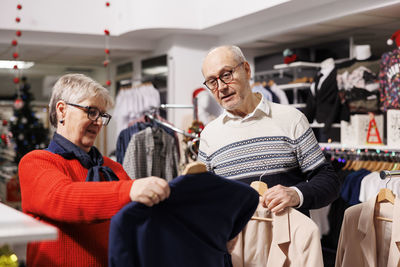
362	52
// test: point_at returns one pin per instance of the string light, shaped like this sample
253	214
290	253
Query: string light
106	61
16	54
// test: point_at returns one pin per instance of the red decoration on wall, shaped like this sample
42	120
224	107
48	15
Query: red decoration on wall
108	82
16	80
18	33
107	4
15	55
373	136
14	42
17	19
15	67
107	51
19	6
106	32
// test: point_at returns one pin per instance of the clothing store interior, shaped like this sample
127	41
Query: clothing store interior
214	133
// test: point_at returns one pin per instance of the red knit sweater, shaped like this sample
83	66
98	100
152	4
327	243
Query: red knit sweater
54	190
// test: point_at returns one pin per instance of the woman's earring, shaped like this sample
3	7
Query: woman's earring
62	121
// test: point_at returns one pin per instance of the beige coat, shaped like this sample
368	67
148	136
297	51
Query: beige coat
292	239
365	241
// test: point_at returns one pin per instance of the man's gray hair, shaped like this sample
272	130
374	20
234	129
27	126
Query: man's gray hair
236	52
75	88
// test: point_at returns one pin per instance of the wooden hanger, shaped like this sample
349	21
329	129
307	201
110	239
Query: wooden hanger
385	194
194	168
260	187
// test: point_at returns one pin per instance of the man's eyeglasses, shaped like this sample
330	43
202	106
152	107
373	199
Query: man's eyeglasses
94	113
226	77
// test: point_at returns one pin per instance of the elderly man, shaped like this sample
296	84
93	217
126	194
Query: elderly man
255	139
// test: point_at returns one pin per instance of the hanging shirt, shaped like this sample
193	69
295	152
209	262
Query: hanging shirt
351	187
372	183
291	239
366	241
151	152
190	228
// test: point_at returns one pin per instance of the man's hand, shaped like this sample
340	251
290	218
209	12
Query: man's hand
277	198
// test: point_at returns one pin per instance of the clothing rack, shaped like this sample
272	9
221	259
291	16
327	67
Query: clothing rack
390	174
194	107
151	117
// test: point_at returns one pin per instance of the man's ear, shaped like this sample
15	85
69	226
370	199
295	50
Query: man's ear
247	69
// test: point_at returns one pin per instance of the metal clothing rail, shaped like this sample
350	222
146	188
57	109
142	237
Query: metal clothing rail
175	106
150	116
390	174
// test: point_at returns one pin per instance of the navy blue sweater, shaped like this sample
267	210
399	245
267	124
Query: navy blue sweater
190	228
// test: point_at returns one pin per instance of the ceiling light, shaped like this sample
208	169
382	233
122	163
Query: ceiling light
9	64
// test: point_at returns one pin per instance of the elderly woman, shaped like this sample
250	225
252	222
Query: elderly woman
72	186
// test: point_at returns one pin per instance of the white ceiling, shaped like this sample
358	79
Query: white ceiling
372	27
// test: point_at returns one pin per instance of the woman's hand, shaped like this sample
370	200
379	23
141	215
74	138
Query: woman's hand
150	190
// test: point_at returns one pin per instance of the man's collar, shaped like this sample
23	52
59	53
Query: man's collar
262	107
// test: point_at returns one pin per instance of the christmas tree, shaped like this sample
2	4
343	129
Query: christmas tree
27	131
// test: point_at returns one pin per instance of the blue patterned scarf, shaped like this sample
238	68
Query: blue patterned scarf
93	160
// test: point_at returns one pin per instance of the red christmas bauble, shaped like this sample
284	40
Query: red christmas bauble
14	42
18	103
19	6
16	80
107	3
106	32
15	55
17	19
108	82
5	122
15	67
105	63
107	51
18	33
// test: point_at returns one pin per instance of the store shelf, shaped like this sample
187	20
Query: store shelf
291	86
322	125
381	148
17	227
298	64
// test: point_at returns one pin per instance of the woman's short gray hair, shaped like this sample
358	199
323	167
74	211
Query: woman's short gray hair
74	88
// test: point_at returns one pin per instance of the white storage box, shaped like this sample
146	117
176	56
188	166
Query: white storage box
355	132
393	128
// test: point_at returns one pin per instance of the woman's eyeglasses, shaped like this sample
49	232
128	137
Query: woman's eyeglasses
94	113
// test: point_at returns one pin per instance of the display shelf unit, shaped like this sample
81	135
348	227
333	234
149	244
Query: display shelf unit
315	124
297	64
291	86
19	228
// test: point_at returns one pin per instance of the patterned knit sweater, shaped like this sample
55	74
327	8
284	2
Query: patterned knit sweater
54	190
274	144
